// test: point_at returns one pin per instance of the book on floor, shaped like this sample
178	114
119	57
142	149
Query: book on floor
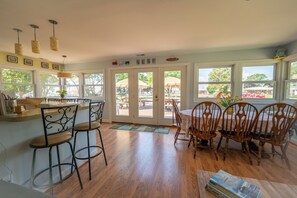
223	184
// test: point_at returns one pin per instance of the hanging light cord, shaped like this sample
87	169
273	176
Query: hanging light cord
35	34
18	32
54	30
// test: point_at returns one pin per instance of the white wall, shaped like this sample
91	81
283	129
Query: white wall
191	59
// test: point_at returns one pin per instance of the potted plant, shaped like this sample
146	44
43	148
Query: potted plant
62	93
226	99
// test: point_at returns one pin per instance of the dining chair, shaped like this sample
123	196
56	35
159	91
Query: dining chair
273	125
205	119
177	121
237	124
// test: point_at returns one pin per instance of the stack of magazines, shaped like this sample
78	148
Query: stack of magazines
225	185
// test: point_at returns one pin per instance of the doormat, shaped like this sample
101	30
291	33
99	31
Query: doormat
143	128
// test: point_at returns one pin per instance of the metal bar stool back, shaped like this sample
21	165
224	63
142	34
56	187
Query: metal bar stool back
94	123
58	125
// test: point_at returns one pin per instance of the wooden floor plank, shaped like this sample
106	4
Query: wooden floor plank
144	164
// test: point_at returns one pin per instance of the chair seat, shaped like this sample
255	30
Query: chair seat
59	138
233	135
85	126
258	135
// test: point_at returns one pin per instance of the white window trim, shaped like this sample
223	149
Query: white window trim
274	81
287	79
64	85
210	65
38	88
236	85
103	85
20	84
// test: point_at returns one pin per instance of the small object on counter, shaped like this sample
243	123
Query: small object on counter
19	109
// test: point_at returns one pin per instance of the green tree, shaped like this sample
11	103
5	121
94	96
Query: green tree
219	75
256	77
16	81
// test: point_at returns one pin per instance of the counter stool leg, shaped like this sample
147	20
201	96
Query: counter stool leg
75	164
33	168
89	155
50	170
74	145
102	145
59	162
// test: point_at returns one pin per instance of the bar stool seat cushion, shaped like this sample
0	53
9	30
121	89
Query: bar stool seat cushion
54	139
85	126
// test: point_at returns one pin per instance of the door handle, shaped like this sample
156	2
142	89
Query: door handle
156	98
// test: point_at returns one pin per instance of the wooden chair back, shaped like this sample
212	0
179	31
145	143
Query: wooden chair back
239	120
176	118
274	122
205	119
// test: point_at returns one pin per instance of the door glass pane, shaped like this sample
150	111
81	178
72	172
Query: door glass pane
122	94
172	90
145	94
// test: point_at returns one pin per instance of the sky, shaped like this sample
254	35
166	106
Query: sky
246	71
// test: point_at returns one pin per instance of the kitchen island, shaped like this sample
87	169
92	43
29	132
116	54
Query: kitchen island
16	132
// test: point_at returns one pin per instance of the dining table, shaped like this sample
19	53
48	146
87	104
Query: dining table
186	116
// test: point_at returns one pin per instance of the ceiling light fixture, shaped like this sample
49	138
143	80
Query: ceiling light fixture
18	48
34	43
63	74
53	39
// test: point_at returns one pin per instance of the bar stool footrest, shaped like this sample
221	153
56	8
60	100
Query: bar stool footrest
92	156
54	183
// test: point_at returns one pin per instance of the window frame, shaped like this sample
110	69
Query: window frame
2	84
64	85
40	85
103	85
288	79
211	65
274	81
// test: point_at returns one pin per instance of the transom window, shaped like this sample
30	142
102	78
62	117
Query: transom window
94	85
50	84
212	80
18	82
258	81
72	86
291	83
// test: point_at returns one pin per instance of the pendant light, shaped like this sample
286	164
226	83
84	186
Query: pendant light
34	43
54	42
63	74
18	48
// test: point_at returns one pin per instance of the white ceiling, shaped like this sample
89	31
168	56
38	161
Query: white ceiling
91	30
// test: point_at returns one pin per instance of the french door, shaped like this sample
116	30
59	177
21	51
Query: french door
143	95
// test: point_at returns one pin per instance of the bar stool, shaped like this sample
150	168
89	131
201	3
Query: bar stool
94	123
58	124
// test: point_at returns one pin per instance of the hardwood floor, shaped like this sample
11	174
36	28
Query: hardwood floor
143	164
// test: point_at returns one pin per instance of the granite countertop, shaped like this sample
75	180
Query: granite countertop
36	113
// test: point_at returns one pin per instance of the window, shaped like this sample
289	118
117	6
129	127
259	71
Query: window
18	81
258	81
94	85
50	84
212	80
291	83
72	86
